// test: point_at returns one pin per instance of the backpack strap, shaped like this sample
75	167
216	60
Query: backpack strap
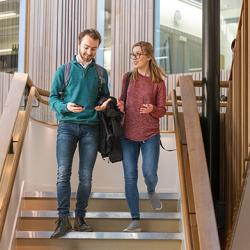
100	72
65	79
169	150
128	76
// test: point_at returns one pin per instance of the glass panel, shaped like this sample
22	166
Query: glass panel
229	17
9	27
178	45
107	36
104	27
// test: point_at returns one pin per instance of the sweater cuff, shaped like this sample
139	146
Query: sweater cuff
64	108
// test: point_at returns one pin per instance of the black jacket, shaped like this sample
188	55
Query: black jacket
110	131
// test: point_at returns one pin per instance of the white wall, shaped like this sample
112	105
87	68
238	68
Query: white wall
40	165
190	17
227	34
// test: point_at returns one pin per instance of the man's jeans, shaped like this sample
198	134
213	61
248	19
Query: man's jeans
150	156
68	135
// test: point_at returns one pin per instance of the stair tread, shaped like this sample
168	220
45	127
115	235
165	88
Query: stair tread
100	195
114	215
102	235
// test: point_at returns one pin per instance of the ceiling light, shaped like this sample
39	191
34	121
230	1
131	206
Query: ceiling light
6	15
5	50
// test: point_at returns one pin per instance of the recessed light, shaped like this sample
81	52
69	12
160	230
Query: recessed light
5	50
4	15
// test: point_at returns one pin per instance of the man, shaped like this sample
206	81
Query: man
75	104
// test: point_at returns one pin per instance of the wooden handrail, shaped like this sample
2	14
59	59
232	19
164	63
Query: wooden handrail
204	210
184	197
199	103
10	118
13	126
42	92
199	83
12	161
11	107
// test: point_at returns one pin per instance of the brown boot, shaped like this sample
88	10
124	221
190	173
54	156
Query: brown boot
63	226
81	225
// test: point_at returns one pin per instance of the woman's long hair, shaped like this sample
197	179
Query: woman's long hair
156	73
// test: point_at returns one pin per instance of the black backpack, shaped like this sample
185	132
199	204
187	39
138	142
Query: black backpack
99	70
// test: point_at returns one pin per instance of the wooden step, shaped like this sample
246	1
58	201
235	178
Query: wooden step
102	221
98	202
108	215
99	241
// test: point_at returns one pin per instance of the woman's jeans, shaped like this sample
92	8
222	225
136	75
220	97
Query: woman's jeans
68	135
150	150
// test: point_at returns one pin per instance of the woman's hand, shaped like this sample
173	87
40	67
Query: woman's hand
72	107
120	105
146	108
103	106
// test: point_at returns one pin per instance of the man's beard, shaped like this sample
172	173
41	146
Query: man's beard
86	58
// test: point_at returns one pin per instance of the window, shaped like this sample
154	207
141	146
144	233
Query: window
229	19
104	26
178	37
9	34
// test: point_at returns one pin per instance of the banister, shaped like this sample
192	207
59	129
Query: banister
184	199
9	114
42	92
236	188
205	216
199	83
11	160
9	128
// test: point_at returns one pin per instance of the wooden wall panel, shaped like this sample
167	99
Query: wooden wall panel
53	30
131	21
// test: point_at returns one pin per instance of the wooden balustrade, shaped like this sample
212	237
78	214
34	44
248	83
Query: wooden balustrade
13	126
236	134
197	204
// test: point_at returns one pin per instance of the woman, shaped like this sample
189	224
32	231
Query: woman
143	102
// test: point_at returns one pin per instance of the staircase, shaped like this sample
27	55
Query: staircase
108	215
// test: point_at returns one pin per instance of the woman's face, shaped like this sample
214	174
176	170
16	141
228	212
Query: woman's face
140	59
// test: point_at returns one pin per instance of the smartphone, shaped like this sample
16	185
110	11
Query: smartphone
78	105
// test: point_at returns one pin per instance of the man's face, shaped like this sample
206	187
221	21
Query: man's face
87	48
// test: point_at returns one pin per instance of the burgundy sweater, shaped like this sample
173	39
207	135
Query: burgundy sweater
140	127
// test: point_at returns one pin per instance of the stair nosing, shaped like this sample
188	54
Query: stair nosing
101	235
102	215
100	195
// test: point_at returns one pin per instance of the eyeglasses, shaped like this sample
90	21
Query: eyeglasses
136	55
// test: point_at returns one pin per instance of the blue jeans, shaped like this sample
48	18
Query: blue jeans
150	150
68	136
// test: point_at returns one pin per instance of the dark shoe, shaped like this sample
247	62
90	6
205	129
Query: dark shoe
63	227
81	225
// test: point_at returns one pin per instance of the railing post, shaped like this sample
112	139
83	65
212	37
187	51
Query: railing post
211	97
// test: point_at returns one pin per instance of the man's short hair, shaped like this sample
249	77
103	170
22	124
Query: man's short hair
94	34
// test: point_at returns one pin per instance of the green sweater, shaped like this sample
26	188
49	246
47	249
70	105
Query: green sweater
82	89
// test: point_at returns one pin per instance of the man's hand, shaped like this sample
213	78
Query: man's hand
146	108
103	106
72	107
120	105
